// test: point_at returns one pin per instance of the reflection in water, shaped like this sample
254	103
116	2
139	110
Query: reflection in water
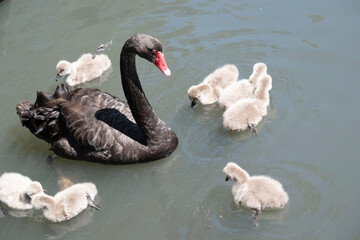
6	212
306	46
59	230
62	181
310	43
316	18
5	8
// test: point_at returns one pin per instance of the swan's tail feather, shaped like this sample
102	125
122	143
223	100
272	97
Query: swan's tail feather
42	117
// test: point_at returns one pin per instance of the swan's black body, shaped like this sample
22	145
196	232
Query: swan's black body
91	125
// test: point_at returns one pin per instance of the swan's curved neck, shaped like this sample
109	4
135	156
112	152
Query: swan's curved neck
138	103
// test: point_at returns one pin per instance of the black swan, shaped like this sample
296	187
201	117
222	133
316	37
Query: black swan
91	125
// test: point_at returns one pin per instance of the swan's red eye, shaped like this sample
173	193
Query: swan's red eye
153	51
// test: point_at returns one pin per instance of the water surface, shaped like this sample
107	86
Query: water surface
309	140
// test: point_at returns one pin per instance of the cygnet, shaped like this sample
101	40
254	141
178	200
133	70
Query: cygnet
84	69
258	70
248	112
255	192
208	91
236	91
243	88
17	190
67	203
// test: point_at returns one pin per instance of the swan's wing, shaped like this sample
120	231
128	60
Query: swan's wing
99	120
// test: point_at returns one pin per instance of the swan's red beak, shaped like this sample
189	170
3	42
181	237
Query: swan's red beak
161	64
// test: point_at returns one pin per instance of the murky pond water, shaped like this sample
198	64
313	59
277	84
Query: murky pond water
309	140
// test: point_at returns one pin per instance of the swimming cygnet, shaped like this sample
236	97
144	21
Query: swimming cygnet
208	91
17	190
243	88
248	112
256	192
67	203
84	69
236	91
258	70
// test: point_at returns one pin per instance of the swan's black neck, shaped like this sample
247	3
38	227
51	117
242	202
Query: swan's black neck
141	110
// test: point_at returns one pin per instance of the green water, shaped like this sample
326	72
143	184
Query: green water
309	141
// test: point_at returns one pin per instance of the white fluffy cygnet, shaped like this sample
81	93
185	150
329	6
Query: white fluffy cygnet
244	88
208	91
248	112
84	69
236	91
17	190
258	70
256	192
67	203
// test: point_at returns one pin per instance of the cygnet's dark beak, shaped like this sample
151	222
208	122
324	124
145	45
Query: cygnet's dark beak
58	76
227	178
92	204
193	103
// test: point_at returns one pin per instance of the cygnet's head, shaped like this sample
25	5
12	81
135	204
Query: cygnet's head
40	201
266	81
234	172
264	86
195	92
34	188
62	68
258	69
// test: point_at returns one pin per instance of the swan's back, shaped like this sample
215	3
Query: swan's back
101	124
88	124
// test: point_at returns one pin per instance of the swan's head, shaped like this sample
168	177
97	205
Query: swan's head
62	68
234	172
34	188
149	48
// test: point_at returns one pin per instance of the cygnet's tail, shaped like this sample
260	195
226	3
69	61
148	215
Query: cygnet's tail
42	117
